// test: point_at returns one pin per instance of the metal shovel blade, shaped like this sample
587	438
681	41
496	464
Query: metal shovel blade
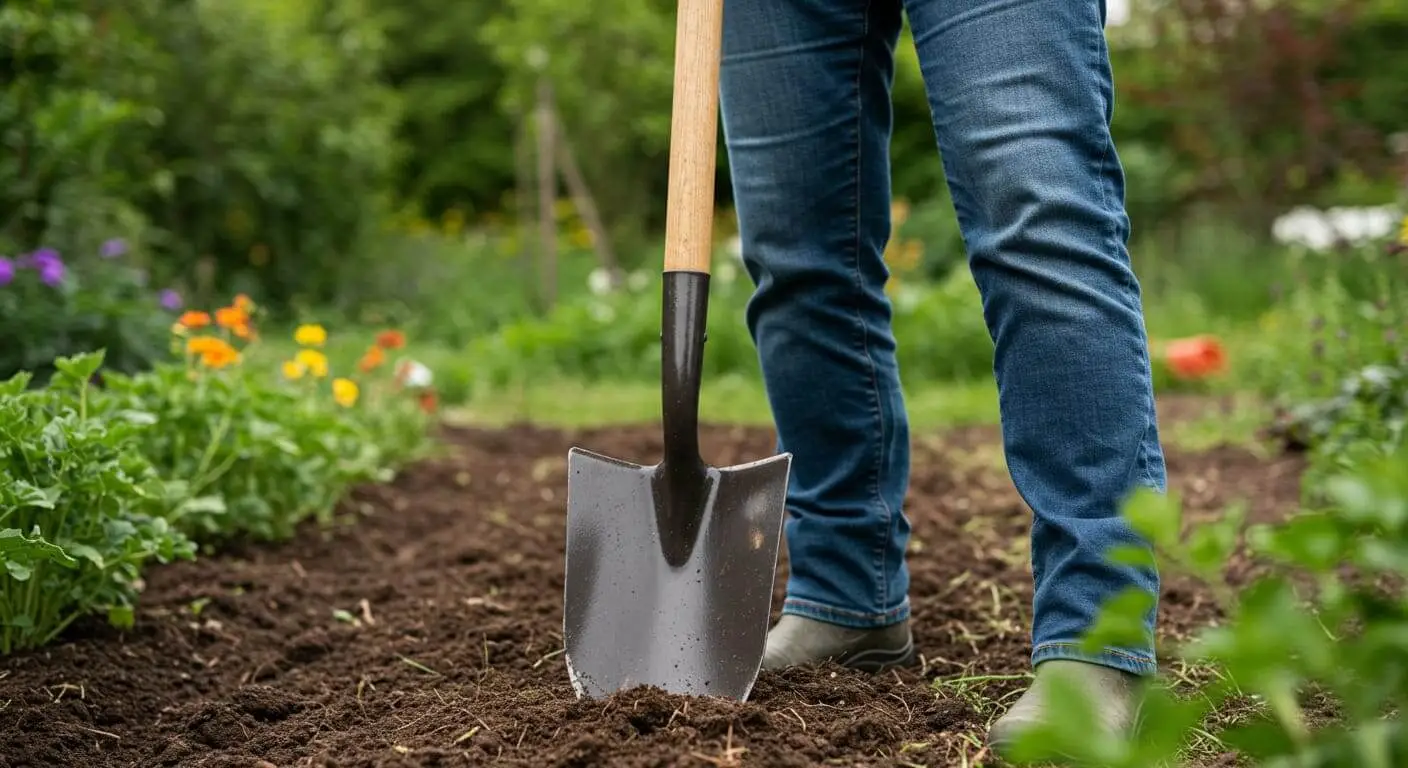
670	573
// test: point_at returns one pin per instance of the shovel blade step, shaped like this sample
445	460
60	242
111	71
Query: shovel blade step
633	615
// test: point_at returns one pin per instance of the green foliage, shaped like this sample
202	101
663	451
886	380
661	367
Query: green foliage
260	146
599	72
50	308
1370	407
82	510
61	177
449	83
248	144
454	287
96	483
1252	110
616	336
1340	376
1347	558
263	456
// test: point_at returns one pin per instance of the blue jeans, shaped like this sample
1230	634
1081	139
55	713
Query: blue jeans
1021	97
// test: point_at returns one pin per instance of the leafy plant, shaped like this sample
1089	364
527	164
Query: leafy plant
261	454
81	508
1326	614
1350	398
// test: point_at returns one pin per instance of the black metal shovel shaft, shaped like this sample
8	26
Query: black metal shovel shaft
681	482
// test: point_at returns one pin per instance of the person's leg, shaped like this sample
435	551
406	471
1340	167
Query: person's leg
806	114
1021	96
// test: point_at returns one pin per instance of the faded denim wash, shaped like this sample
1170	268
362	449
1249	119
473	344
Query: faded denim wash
1021	97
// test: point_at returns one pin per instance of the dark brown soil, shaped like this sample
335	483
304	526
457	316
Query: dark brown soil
429	633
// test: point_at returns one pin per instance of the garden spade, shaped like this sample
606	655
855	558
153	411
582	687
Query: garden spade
670	566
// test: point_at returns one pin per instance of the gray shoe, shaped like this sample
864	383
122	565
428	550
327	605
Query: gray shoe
1114	694
799	641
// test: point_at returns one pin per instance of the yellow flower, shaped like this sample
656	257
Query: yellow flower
899	212
344	391
294	369
314	361
1403	231
200	345
310	335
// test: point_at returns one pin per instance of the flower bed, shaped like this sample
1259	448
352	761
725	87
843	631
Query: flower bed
108	471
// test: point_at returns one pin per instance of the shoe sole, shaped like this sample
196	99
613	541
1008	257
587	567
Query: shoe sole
876	660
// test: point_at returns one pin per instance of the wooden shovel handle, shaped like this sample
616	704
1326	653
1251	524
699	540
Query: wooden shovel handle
689	217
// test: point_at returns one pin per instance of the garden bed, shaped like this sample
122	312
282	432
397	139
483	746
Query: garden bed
429	633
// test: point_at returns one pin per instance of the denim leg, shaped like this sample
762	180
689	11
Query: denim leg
1021	98
806	112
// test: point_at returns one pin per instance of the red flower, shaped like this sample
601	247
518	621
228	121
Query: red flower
391	339
1196	357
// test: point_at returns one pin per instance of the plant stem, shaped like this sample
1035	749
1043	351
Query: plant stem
209	454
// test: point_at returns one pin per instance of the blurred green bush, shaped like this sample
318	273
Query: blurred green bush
53	307
263	146
616	336
248	145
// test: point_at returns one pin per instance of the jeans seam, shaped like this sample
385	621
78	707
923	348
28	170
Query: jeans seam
882	588
1141	457
1142	463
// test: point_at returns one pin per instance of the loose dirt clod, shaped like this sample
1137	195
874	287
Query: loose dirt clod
453	654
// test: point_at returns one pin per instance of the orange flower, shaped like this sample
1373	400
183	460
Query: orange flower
428	401
374	357
244	303
1196	357
220	357
391	339
231	317
194	319
213	352
244	332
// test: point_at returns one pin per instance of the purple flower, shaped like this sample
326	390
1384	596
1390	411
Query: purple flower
51	272
42	257
47	263
170	300
114	248
7	270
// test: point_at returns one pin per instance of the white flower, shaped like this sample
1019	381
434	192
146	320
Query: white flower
638	280
599	282
414	374
1358	224
1321	230
1304	226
